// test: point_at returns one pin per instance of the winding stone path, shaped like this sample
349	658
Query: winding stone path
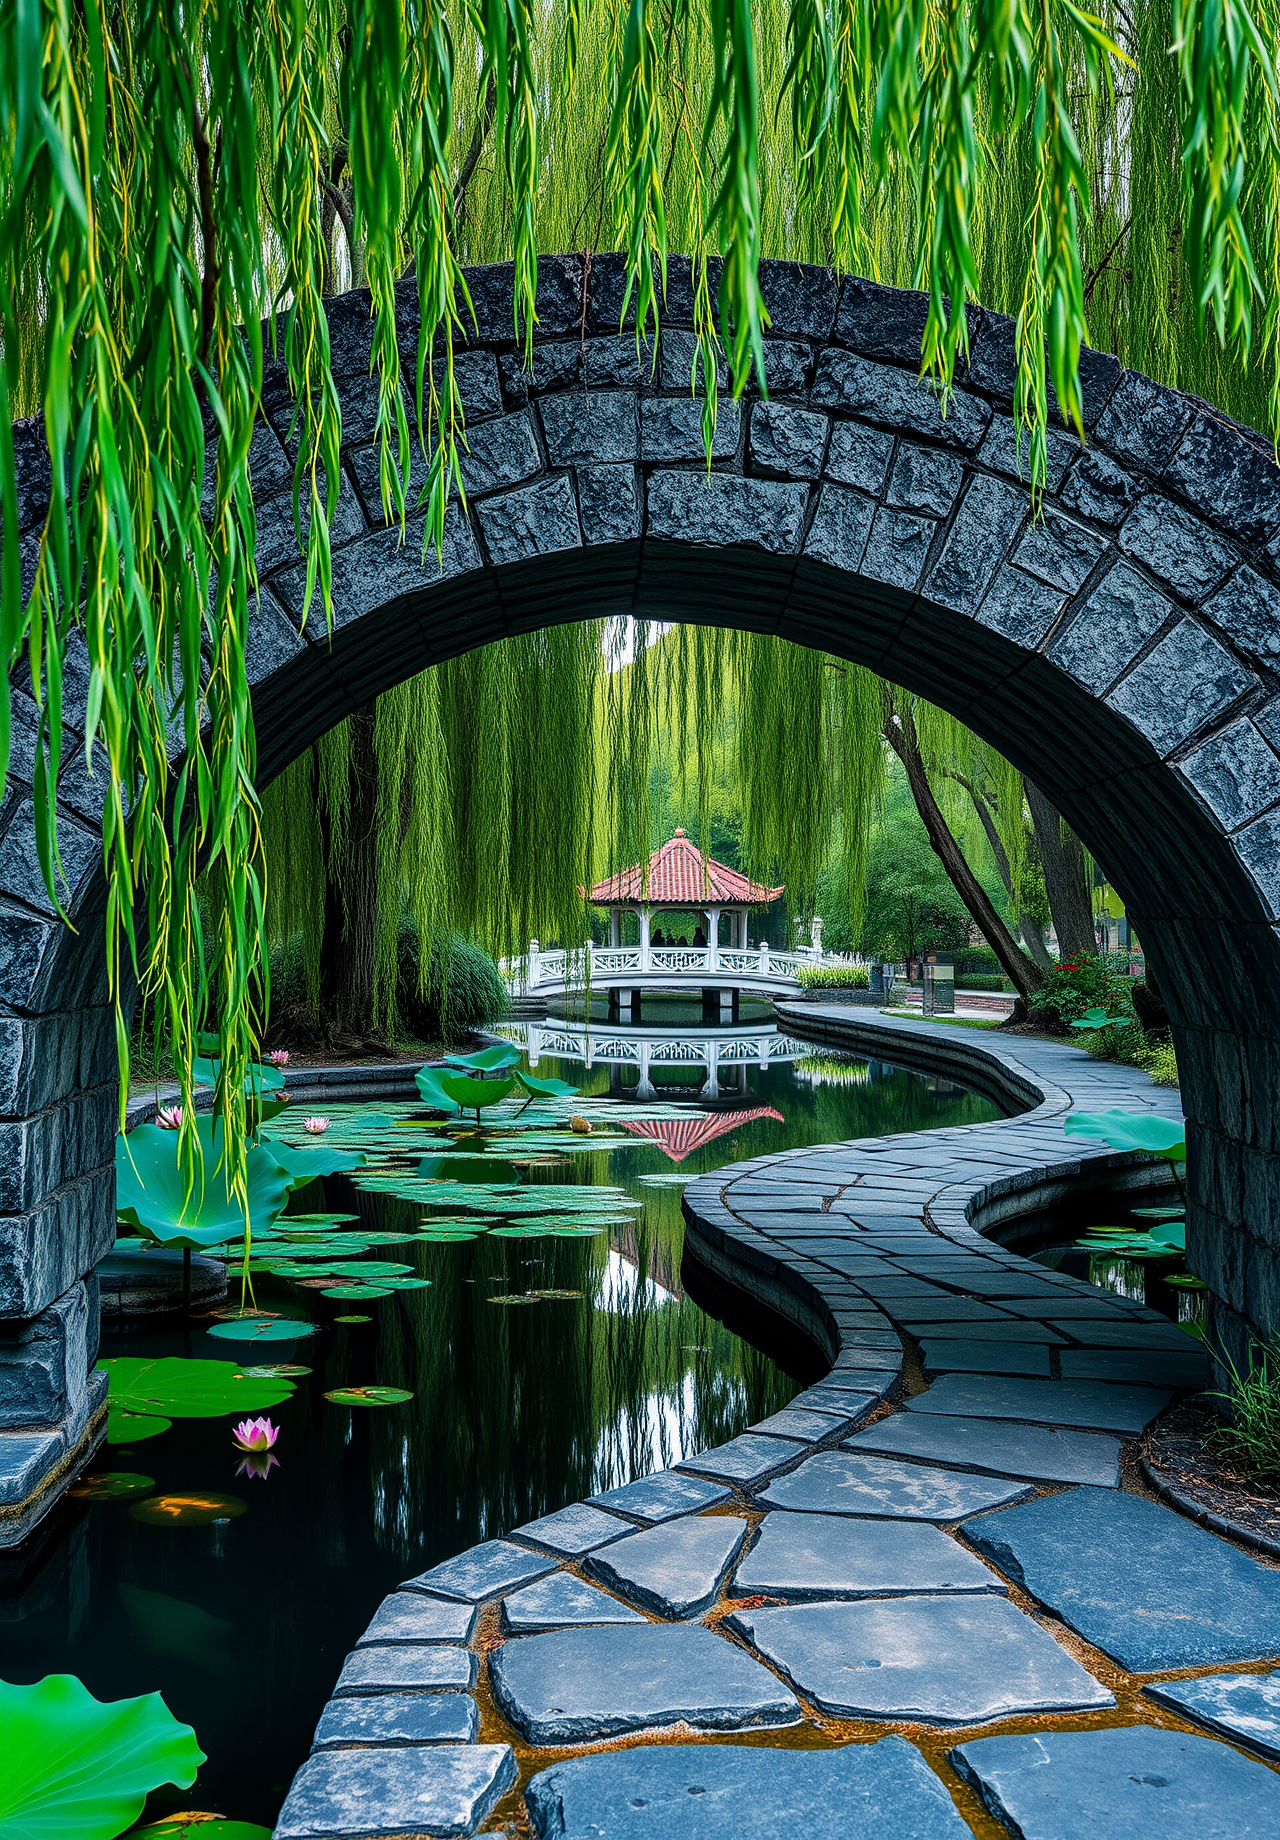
921	1571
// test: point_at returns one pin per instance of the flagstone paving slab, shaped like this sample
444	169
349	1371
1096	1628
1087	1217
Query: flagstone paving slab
409	1616
948	1357
575	1685
482	1571
573	1530
398	1718
824	1555
662	1496
1135	1782
1144	1585
943	1660
1083	1405
1187	1372
1245	1707
1126	1332
1020	1331
562	1599
405	1667
881	1791
745	1458
674	1570
396	1791
1037	1453
840	1482
811	1426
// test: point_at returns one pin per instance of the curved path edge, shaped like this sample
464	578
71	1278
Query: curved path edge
844	1240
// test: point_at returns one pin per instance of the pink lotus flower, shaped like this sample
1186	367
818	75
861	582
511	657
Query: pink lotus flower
169	1117
278	1057
255	1434
315	1126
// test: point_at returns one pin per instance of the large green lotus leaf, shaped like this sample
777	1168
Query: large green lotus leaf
202	1827
487	1060
259	1079
302	1163
134	1427
472	1095
433	1093
181	1388
1132	1131
546	1089
151	1193
355	1293
74	1768
251	1329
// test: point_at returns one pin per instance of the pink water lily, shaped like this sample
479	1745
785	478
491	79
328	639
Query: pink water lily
169	1117
316	1126
278	1057
255	1434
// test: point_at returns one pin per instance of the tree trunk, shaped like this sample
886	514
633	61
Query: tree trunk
900	732
1064	877
1039	951
351	895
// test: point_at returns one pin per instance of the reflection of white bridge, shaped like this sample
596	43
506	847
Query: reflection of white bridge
721	1055
624	970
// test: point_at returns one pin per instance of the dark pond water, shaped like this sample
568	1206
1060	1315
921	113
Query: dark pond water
519	1405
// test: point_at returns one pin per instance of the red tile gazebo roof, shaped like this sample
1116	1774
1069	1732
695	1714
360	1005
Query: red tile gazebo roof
680	876
680	1137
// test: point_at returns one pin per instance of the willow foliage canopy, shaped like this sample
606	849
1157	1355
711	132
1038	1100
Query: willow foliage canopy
169	178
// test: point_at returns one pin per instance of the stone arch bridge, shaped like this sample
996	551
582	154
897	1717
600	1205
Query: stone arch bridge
1123	650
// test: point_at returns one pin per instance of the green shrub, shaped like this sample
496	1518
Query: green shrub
976	961
1134	1047
1161	1063
1077	985
463	989
1251	1433
833	977
979	980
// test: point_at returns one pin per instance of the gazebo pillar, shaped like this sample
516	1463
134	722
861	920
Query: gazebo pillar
713	937
615	926
643	915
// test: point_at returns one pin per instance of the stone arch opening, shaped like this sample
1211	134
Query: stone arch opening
1122	650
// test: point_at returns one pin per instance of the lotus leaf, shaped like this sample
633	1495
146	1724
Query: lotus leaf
202	1827
302	1163
254	1329
352	1319
369	1396
487	1060
427	1080
1132	1131
73	1766
475	1095
379	1268
544	1089
134	1427
288	1370
114	1485
151	1193
259	1079
145	1395
405	1284
355	1293
1095	1018
1184	1281
298	1221
1159	1213
196	1510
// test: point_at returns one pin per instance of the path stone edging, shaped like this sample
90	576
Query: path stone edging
1205	1517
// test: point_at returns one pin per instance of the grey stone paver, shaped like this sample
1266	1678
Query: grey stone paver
575	1685
745	1458
942	1660
409	1616
950	1357
398	1718
1189	1372
802	1556
704	1792
573	1530
1133	1781
1125	1333
1141	1583
559	1601
1084	1405
1021	1333
661	1496
340	1793
810	1425
405	1667
841	1482
674	1570
482	1571
1036	1453
1243	1707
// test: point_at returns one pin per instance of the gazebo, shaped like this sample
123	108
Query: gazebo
680	879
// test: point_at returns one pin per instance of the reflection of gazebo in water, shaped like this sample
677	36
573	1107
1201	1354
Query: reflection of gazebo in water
679	879
680	1137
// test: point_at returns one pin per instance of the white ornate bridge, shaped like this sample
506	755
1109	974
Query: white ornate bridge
760	970
720	1055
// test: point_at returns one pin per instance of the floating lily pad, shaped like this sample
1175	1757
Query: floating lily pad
256	1329
553	1296
187	1510
287	1370
173	1387
522	1297
378	1268
369	1396
1184	1281
1160	1213
355	1293
134	1427
352	1319
112	1485
534	1230
404	1284
201	1827
315	1220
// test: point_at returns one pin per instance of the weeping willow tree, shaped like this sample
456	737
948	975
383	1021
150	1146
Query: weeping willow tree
172	181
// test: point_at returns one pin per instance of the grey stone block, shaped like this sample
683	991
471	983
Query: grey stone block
449	1791
1060	551
805	1555
26	1458
786	442
277	540
923	479
1185	682
1120	615
482	1571
1144	1367
20	877
744	1459
1000	451
786	367
838	533
1228	478
800	298
841	1482
560	1600
897	400
1135	1780
719	509
572	1530
270	640
534	520
993	367
595	428
384	566
404	1667
1034	1453
700	1792
1020	608
398	1718
609	503
1143	422
1247	610
681	367
674	1570
661	1496
947	1356
1258	847
618	360
411	1616
671	429
1176	547
812	1425
45	1362
882	322
897	548
1243	1707
859	456
1144	1585
985	525
1082	1405
1099	489
941	1660
554	366
1236	773
574	1686
499	453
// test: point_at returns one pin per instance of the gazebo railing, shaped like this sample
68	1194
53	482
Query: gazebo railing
602	965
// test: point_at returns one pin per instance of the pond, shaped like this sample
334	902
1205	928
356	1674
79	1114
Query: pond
542	1329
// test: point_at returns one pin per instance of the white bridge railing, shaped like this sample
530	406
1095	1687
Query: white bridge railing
712	1049
604	965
